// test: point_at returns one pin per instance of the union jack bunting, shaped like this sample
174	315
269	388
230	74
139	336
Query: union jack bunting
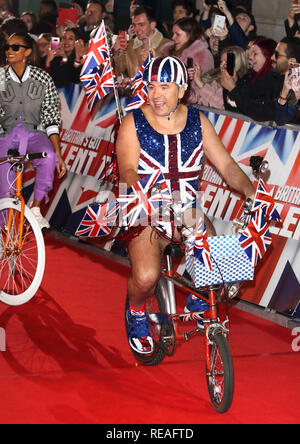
139	90
199	247
98	220
144	198
98	52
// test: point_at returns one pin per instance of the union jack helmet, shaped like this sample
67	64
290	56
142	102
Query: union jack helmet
165	70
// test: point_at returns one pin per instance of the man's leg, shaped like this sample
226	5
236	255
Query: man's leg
145	255
145	258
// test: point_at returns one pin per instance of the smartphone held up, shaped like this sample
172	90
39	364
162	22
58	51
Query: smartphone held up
55	41
123	39
219	23
230	63
294	74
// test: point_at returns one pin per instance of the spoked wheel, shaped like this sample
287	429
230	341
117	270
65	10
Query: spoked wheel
21	264
161	330
220	379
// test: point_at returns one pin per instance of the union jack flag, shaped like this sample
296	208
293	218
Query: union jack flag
139	90
97	75
98	51
144	198
199	247
263	198
256	238
98	220
99	83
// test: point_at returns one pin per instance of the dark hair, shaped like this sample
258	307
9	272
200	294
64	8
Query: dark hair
51	3
145	10
187	5
33	58
97	2
194	30
2	52
13	25
46	35
293	48
78	34
191	27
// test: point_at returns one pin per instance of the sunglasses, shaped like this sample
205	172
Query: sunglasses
15	48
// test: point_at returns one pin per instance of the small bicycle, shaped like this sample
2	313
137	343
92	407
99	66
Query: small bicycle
166	322
22	248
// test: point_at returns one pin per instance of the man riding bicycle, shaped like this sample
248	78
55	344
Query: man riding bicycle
172	137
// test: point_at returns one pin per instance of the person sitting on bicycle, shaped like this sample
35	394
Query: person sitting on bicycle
173	137
29	120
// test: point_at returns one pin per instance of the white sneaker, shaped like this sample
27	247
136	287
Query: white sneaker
43	223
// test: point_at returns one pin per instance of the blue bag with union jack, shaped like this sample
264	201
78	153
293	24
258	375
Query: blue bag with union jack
229	263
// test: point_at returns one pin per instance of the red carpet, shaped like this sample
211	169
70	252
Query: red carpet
67	358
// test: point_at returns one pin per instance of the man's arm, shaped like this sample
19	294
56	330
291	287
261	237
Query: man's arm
128	151
223	162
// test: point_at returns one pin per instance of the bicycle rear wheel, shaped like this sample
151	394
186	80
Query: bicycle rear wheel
21	269
220	379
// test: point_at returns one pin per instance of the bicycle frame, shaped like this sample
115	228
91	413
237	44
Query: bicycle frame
19	196
210	318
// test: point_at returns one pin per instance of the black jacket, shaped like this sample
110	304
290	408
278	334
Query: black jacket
64	73
257	99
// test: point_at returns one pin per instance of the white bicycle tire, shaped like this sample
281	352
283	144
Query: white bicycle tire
22	298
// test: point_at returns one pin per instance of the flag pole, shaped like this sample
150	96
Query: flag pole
116	92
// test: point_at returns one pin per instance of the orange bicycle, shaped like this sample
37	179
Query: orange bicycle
22	248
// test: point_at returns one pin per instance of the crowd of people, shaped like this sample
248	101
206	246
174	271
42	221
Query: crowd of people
259	83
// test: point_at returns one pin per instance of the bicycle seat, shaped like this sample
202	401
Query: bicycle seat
174	250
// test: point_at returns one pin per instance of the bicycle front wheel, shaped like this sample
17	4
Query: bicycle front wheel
220	379
22	264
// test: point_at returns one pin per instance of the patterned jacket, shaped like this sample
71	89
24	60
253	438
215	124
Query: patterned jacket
33	98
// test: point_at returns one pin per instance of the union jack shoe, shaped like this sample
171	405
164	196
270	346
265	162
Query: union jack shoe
194	303
138	332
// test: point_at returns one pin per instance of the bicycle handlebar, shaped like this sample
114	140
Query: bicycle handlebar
35	156
16	158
